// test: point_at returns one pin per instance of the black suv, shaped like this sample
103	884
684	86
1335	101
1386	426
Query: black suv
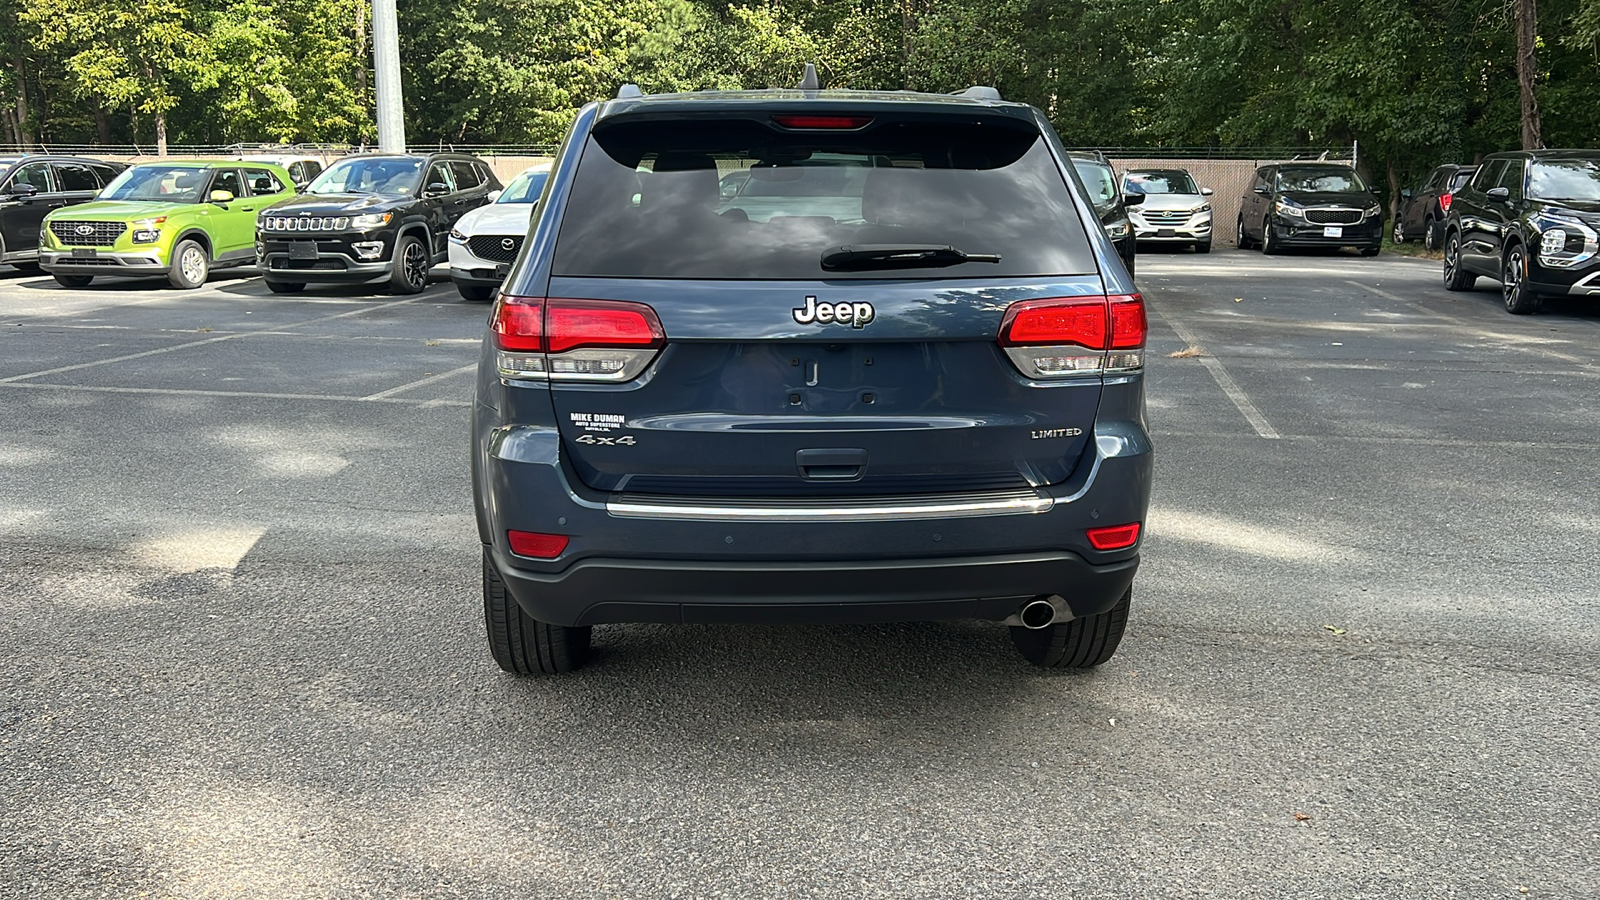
1531	220
1309	205
32	186
897	375
1423	210
369	218
1110	202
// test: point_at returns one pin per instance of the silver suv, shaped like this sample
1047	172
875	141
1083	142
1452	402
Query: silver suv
1175	210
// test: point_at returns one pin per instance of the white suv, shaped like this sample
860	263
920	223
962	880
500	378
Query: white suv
486	241
1174	211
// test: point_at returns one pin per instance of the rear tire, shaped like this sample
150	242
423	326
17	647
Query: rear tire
286	287
190	267
72	281
1432	234
1076	644
1455	277
411	264
1520	300
522	645
475	293
1399	232
1240	239
1370	251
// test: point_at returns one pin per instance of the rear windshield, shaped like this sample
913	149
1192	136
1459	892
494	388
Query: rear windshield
740	199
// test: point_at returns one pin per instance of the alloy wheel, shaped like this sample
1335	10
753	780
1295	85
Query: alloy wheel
1511	278
193	264
416	265
1430	235
1399	232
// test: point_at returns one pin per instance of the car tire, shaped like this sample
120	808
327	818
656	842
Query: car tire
1269	246
523	645
1240	239
1432	234
1399	231
1455	277
190	267
475	293
72	281
30	266
286	287
1519	298
1370	251
1077	643
409	275
1202	247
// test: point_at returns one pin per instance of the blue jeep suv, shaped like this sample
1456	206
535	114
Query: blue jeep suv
801	356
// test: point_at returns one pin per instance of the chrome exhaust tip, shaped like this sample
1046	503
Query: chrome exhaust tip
1036	614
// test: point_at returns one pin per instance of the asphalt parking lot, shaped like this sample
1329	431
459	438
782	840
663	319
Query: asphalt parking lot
241	650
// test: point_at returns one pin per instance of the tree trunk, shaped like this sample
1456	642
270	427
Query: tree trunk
1528	72
102	125
24	136
161	134
1394	194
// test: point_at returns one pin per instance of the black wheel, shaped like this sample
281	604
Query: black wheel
190	266
476	293
525	646
1269	246
1076	644
1240	239
411	265
29	266
1202	247
1370	251
1432	234
72	281
1455	277
1519	298
286	287
1399	232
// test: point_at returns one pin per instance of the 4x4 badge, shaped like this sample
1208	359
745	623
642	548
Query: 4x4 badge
856	315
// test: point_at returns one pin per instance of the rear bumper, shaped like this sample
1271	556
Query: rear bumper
984	587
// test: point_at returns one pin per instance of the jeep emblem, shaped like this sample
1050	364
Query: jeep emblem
856	315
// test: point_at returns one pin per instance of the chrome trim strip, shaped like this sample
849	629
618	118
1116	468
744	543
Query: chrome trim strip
873	509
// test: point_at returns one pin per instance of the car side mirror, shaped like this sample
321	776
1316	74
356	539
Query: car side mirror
1405	193
437	189
221	196
23	191
1133	199
1262	191
1206	192
1499	193
492	196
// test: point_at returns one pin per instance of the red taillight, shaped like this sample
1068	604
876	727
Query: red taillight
571	324
1098	323
1114	537
536	545
519	324
1444	202
847	123
1128	324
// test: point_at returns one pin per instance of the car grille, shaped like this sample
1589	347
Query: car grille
87	234
305	223
1166	216
1334	216
495	247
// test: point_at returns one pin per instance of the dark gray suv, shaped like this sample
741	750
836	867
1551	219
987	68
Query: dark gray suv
894	373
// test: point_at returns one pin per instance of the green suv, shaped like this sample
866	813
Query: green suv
179	219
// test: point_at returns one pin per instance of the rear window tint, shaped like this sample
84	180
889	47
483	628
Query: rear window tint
738	199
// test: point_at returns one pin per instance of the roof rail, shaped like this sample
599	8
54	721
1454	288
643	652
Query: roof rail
808	81
979	92
629	92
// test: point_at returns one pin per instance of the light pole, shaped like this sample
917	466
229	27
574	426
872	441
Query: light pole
386	69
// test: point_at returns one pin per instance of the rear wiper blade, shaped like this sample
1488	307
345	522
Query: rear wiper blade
854	257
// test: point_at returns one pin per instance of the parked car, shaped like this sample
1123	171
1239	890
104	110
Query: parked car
1530	219
1175	209
1423	210
1309	205
373	217
177	219
1109	201
302	161
914	396
485	241
34	185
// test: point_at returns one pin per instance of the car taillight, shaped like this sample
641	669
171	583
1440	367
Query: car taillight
1064	336
575	340
1114	537
1444	202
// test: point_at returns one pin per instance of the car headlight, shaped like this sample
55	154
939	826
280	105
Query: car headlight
1289	208
1205	208
457	236
1564	241
1117	230
1373	210
372	220
147	231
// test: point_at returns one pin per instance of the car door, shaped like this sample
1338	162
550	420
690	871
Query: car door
232	224
1470	210
25	198
1254	202
438	196
472	189
1500	213
1413	209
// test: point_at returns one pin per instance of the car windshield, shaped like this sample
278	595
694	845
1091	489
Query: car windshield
1565	179
524	188
655	200
166	184
375	175
1170	182
1321	181
1099	179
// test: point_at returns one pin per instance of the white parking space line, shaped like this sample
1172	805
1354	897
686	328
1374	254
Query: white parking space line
383	395
227	337
1515	342
257	395
1240	399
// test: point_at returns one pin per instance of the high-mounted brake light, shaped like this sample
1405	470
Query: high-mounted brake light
1064	336
535	545
845	123
575	340
1114	537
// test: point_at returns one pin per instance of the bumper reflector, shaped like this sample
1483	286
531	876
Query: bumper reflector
1114	537
536	545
